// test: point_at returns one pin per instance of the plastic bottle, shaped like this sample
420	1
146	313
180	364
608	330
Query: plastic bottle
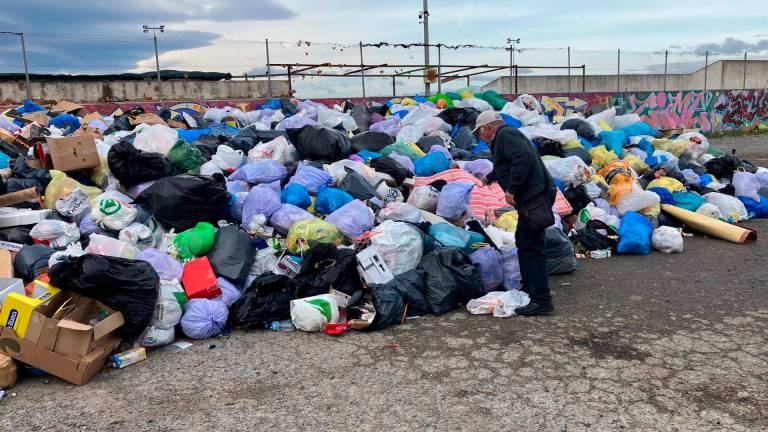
283	326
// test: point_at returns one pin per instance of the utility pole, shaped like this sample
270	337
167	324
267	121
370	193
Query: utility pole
24	59
424	17
512	63
154	29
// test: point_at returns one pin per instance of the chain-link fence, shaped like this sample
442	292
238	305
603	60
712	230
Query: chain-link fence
37	65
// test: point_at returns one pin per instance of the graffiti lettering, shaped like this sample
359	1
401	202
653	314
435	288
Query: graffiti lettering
737	109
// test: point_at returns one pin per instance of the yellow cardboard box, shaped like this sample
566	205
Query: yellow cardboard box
17	309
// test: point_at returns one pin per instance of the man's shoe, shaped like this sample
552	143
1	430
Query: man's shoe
535	309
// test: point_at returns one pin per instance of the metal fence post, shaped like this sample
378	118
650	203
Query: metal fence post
269	72
362	69
290	87
744	83
666	59
583	78
511	66
516	79
439	68
394	87
569	69
618	70
706	66
26	67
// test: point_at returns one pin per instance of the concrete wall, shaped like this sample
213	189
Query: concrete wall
179	90
721	75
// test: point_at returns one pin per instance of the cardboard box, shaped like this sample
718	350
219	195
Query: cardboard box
76	371
18	309
73	153
9	285
198	279
69	107
77	336
6	267
39	117
18	197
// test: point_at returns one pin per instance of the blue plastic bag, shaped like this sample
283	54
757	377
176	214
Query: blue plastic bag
431	164
296	194
634	234
330	199
665	196
4	160
453	201
66	122
273	104
449	235
490	265
613	140
646	146
191	135
511	121
29	107
586	143
311	178
639	128
352	219
263	200
688	200
480	147
261	171
367	155
441	149
755	209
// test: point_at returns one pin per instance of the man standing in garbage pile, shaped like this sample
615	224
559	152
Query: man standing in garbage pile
528	186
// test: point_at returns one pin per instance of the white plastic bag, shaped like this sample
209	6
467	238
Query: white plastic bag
278	149
157	138
227	158
154	337
137	234
263	262
709	210
547	131
111	213
312	313
399	245
410	133
103	245
625	120
746	185
667	239
210	168
168	310
636	200
424	197
73	204
731	208
500	238
400	212
570	171
57	233
501	304
697	144
389	194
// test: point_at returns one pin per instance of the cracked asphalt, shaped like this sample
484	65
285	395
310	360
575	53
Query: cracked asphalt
662	342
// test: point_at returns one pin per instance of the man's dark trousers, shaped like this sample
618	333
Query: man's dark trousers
532	255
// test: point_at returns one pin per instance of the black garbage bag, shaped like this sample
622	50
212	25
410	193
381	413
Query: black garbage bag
464	138
459	154
665	218
128	286
402	296
208	144
577	197
387	165
17	234
356	185
267	299
591	239
581	152
372	141
249	137
362	116
289	108
18	184
31	261
320	143
725	165
463	116
582	128
561	258
548	147
23	171
132	166
231	255
450	279
427	141
326	267
182	201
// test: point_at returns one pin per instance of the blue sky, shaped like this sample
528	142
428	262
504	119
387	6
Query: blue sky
200	32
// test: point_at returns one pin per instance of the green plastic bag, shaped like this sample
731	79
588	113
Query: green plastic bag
716	152
441	96
185	156
403	148
195	242
493	98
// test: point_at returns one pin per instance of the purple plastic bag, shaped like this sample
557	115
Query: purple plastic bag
262	199
390	127
404	161
310	107
490	266
377	118
352	219
165	266
204	318
479	168
261	171
441	149
513	279
88	226
235	186
453	201
236	207
229	292
286	216
295	122
356	158
311	178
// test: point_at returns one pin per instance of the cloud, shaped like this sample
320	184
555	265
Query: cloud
730	46
672	67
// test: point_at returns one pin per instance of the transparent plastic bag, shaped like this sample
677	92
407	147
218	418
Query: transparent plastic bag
57	233
400	212
501	304
747	185
399	245
424	198
139	235
112	213
104	245
570	171
667	240
155	138
731	208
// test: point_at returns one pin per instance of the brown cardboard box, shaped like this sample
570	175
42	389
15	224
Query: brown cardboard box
69	107
91	117
148	118
73	153
24	195
76	337
6	264
40	117
76	371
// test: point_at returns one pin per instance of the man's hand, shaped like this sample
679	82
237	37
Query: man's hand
510	198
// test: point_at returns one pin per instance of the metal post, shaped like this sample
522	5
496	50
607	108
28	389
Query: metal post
706	66
362	69
516	79
269	72
744	83
425	19
394	87
439	68
467	81
157	67
26	67
666	59
511	66
583	78
569	69
290	87
618	71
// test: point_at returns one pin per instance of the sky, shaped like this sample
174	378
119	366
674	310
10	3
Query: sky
105	36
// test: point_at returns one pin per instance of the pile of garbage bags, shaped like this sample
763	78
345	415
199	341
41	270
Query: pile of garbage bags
303	216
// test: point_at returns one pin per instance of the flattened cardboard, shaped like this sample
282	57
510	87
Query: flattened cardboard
66	106
91	117
39	117
148	118
73	153
24	195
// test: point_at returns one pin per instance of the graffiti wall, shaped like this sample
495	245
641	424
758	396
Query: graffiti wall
670	110
737	109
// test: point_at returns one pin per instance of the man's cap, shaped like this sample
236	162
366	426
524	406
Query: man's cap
486	118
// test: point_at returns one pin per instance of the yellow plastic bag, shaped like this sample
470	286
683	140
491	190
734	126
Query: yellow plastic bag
418	151
408	102
602	124
599	180
621	184
667	183
318	230
311	207
466	93
507	221
61	185
100	173
676	147
652	211
601	156
572	144
637	164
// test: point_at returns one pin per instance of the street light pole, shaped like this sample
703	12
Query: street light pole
512	63
24	58
154	29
